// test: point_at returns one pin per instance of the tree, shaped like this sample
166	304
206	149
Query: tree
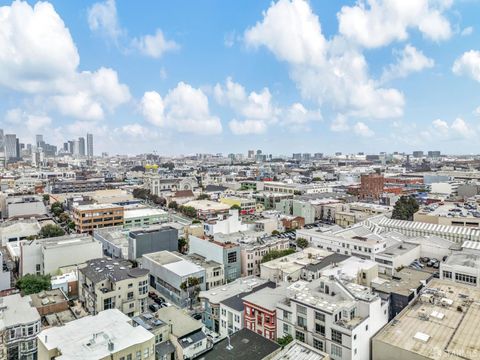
56	208
235	207
196	221
173	205
302	243
140	193
275	254
192	286
32	284
188	211
404	208
51	230
203	197
64	217
275	232
283	341
182	244
46	198
158	200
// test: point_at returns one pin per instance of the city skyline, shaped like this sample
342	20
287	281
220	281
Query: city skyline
182	78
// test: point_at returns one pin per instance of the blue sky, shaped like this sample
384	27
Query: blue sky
182	77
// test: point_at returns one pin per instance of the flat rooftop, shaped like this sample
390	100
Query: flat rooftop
15	309
98	270
245	345
404	282
174	263
97	207
88	337
142	213
218	294
434	327
182	323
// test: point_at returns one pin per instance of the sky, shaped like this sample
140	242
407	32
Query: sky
185	77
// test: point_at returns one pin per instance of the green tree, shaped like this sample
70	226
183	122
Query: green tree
56	208
283	341
32	284
51	230
203	197
182	244
188	211
46	198
275	254
275	232
302	243
173	205
236	207
404	208
192	286
64	217
140	193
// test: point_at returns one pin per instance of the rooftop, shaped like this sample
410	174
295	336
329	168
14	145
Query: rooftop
298	350
405	282
48	297
15	309
182	323
115	270
88	337
97	207
442	323
268	298
174	263
245	345
205	205
245	284
142	212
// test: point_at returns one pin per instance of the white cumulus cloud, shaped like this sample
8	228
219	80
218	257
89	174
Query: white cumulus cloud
361	129
184	109
375	23
409	60
468	64
154	45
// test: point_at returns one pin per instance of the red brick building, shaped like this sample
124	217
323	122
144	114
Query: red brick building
371	186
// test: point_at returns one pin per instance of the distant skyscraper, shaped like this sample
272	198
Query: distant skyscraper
90	145
76	147
81	146
71	146
39	140
2	148
10	146
251	154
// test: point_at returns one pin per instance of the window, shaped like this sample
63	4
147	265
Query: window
129	357
109	303
301	321
320	329
224	312
352	313
146	353
447	274
336	351
286	329
158	338
232	257
130	296
464	278
318	344
287	315
138	355
336	336
300	336
237	318
302	310
319	316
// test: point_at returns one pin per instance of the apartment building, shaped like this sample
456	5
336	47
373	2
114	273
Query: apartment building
213	299
247	206
359	246
333	316
463	267
87	218
260	313
442	324
62	186
227	254
253	251
142	216
47	256
19	326
296	207
106	335
112	284
214	273
168	271
228	224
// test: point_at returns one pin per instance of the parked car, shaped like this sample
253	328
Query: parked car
197	316
436	265
158	300
425	259
154	307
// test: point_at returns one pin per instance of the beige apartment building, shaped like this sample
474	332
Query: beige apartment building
90	217
111	284
108	335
